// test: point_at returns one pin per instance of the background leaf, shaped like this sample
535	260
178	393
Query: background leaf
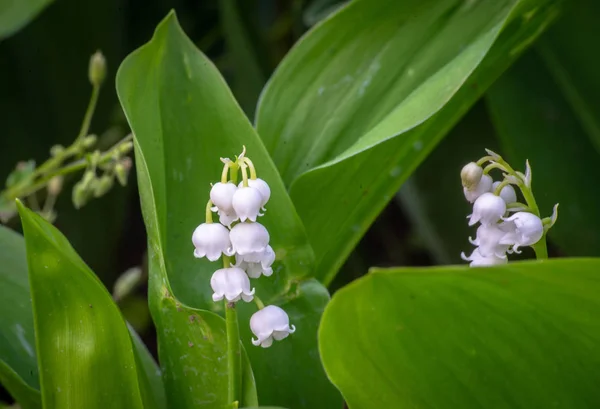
185	118
84	351
522	335
339	143
18	364
14	14
534	121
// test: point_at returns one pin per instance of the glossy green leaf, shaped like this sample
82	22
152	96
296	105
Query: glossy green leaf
14	14
193	354
18	364
184	118
535	121
523	335
347	127
85	353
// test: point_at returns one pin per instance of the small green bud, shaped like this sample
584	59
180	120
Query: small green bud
55	185
103	186
80	195
89	178
97	68
470	175
89	141
57	150
125	147
121	173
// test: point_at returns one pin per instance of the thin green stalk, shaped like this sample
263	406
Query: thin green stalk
19	191
234	358
89	113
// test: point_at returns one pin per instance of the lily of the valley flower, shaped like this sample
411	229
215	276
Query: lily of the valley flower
249	238
523	229
256	264
488	241
507	193
231	283
247	202
479	260
268	324
487	209
262	187
210	240
484	186
221	195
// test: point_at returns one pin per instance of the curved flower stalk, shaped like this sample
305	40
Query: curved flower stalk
501	233
239	235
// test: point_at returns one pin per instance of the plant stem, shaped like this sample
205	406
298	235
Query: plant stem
89	113
234	361
24	191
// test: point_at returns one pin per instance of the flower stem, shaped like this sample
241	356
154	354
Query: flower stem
209	217
234	361
252	168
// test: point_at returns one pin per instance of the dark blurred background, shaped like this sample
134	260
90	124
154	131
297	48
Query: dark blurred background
45	91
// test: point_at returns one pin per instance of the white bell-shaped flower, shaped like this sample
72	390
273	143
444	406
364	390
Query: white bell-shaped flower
470	175
221	194
262	187
487	209
231	283
256	264
484	186
210	240
479	260
270	323
227	218
522	229
507	193
249	238
247	202
488	241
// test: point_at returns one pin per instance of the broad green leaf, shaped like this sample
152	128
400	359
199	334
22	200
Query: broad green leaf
18	364
15	14
85	353
523	335
193	354
184	118
565	50
534	121
353	109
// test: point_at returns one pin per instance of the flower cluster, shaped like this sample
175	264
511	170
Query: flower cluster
239	235
505	224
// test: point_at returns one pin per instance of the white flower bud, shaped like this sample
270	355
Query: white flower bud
478	260
484	186
210	240
247	202
231	283
507	193
221	194
523	229
470	175
256	264
488	209
262	187
268	324
249	238
488	241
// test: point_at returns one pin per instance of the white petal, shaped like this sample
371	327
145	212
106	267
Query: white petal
507	193
210	240
262	187
484	186
488	209
221	194
247	203
248	238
